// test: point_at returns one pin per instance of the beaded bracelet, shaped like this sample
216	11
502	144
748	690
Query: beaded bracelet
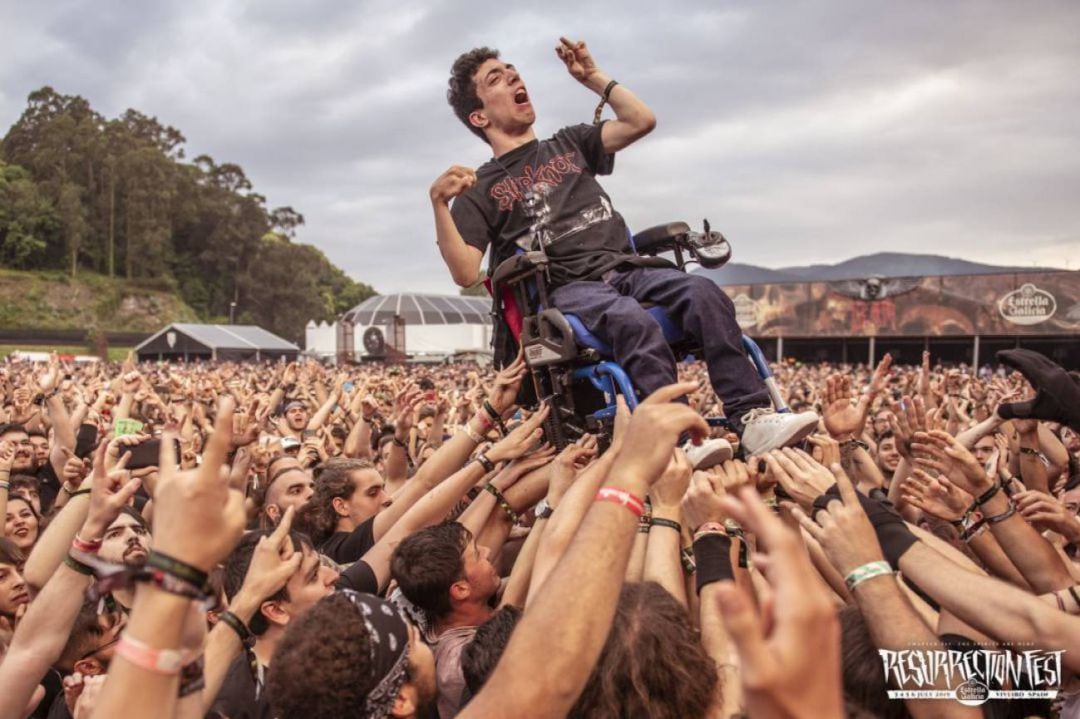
867	571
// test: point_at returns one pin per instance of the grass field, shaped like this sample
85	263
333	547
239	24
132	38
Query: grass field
116	354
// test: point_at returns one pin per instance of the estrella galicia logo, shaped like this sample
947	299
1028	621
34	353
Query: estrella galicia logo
1027	306
972	693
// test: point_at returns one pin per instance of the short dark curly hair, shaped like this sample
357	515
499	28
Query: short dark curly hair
479	657
331	637
427	563
236	568
462	91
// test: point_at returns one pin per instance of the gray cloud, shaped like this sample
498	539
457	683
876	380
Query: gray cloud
805	131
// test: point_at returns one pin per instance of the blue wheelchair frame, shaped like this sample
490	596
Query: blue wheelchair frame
560	351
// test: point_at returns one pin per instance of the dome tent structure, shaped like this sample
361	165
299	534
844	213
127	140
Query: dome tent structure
421	327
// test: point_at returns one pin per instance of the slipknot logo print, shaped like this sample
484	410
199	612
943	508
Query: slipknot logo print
512	189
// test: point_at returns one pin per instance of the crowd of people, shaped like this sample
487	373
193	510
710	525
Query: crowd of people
257	540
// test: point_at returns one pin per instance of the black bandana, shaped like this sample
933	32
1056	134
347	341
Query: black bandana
389	640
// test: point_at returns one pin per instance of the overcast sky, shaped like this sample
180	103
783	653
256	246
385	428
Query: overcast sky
805	131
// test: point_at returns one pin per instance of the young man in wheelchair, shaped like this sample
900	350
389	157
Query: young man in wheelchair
593	273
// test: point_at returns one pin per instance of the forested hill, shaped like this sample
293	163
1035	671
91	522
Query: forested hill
83	193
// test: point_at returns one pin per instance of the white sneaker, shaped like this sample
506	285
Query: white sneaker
765	429
709	453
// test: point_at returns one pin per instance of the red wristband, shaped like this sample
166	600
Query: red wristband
621	496
158	661
81	545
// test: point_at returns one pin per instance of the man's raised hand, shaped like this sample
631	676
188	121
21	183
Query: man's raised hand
452	183
576	56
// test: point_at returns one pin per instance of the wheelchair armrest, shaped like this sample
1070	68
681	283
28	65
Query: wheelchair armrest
660	238
519	267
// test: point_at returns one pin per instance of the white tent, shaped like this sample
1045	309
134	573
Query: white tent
424	327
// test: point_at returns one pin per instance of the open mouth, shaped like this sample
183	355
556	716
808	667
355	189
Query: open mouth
521	97
23	598
22	532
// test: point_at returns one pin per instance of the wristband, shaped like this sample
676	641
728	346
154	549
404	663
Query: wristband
4	485
1075	596
686	556
1032	451
544	509
669	523
79	493
400	443
88	546
893	534
988	494
494	491
159	661
237	625
712	556
621	496
473	434
495	417
76	565
184	572
858	575
486	463
603	101
997	518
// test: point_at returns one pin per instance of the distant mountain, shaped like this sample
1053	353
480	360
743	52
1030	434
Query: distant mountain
881	264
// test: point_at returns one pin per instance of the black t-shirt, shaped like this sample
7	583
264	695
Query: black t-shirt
359	577
236	700
347	547
584	236
49	485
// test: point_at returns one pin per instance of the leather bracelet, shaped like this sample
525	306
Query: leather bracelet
988	494
501	500
237	625
485	462
400	443
603	101
495	418
669	523
79	493
1032	451
4	485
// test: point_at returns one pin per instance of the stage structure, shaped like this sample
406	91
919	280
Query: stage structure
959	318
406	327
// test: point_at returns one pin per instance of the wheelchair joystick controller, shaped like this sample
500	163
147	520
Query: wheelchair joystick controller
709	248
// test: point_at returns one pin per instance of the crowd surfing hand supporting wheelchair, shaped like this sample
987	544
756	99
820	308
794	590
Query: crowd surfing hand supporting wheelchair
572	369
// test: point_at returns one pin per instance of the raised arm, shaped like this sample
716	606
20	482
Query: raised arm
633	118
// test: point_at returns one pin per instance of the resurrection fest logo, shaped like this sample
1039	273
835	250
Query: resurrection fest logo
972	676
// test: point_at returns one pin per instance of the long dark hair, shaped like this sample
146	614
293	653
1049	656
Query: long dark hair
317	518
653	664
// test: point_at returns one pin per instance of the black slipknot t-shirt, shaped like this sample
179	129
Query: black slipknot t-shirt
583	237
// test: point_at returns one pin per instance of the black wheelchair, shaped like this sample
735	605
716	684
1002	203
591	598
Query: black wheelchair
572	369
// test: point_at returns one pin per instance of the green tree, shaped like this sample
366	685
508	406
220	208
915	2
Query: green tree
26	219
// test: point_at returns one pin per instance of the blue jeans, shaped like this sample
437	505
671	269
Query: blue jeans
611	309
